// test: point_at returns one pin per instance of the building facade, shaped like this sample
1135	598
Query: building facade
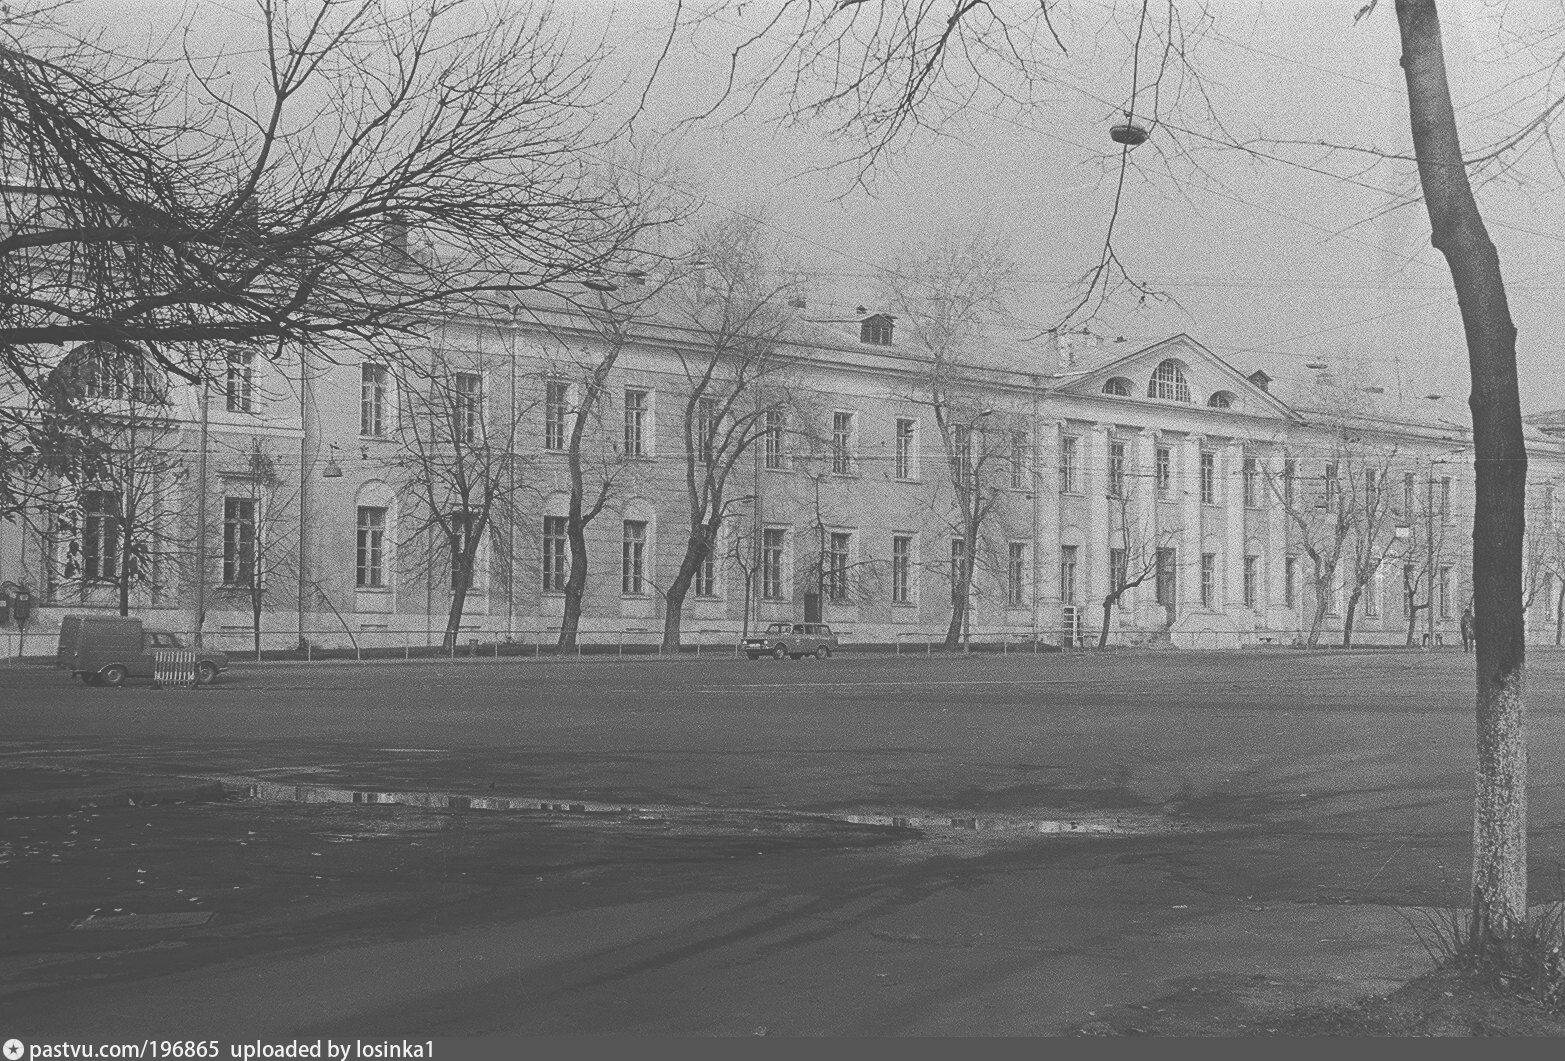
1162	495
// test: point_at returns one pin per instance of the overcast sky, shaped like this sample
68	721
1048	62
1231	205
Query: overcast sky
1272	263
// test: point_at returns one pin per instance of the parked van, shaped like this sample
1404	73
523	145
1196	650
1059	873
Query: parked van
108	649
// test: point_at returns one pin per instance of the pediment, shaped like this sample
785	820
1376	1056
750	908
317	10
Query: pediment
1197	378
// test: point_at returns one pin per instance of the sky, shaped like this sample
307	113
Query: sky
1272	262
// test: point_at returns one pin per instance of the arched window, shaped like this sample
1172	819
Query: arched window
111	371
1168	382
1221	400
1119	386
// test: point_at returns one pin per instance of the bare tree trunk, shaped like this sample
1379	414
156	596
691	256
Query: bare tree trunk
696	548
1559	616
255	618
1108	609
1500	455
1347	623
576	578
454	617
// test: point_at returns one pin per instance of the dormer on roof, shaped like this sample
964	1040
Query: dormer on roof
877	329
1261	379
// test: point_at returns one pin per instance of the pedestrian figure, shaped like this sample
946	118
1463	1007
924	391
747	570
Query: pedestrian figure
1469	629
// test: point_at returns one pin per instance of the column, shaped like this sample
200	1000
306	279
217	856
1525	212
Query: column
1189	595
1233	544
1275	564
1144	511
1092	576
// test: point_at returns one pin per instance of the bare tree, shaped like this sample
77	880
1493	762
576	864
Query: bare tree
734	309
1134	544
1322	518
351	170
111	516
457	446
259	542
1372	518
948	294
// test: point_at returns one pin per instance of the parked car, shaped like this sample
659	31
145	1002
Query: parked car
109	649
791	641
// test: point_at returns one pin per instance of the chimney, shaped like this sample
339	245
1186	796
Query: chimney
395	238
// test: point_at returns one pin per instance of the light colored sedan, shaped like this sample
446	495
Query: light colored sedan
791	641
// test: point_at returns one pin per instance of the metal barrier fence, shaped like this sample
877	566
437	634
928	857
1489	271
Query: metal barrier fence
174	668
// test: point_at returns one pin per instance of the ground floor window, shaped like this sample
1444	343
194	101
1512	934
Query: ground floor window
1290	581
1208	579
706	574
100	560
238	541
1016	575
1252	581
1068	554
370	554
633	558
838	548
901	568
555	551
1167	564
773	540
1445	592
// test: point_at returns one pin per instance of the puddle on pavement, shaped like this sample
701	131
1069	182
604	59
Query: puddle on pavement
1075	823
143	922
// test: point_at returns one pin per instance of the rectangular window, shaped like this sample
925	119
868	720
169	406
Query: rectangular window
1407	493
1019	443
906	441
633	558
1070	461
1445	592
773	541
1252	483
1119	572
100	536
706	575
1016	575
708	413
1290	581
842	443
467	405
374	381
1445	499
1290	472
1167	565
556	404
1208	477
775	455
1208	579
1333	486
1372	597
556	546
635	423
958	551
837	566
239	386
1116	468
1164	471
901	568
962	456
370	554
465	548
1068	554
1371	487
238	541
1252	581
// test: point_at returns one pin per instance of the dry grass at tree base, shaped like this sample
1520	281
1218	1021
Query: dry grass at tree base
1441	1003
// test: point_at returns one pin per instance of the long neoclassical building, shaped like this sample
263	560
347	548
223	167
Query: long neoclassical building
289	494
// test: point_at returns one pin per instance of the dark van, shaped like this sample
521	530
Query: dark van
108	649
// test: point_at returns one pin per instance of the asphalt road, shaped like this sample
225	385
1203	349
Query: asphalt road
1303	794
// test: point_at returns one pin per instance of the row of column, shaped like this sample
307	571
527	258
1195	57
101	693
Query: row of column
1150	517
